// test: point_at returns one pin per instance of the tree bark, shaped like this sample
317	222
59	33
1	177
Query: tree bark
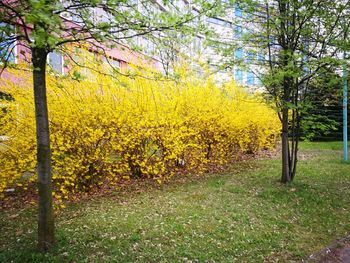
46	237
286	178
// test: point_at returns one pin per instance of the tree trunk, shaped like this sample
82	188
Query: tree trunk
46	236
286	178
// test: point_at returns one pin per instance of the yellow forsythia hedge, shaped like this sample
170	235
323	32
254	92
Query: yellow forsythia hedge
111	128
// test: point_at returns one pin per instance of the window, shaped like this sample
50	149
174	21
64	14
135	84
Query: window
250	57
79	57
146	45
55	61
197	44
239	75
115	64
273	41
261	57
212	20
238	11
111	65
149	47
7	43
83	63
238	53
250	78
218	21
238	31
75	17
258	81
305	69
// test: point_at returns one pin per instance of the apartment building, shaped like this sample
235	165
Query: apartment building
230	30
229	27
120	57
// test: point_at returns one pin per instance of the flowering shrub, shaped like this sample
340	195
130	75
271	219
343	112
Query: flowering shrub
110	128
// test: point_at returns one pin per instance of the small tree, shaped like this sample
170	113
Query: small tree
47	25
294	40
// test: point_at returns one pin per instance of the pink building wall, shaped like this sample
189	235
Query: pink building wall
121	53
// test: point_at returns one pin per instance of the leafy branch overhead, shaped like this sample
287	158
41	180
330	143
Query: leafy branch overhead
108	22
293	43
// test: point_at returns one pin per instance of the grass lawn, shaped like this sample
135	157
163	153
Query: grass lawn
243	215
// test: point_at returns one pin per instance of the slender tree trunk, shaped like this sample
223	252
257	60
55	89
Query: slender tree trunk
297	117
286	178
46	236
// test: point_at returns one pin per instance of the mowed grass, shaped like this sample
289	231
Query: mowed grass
336	145
243	215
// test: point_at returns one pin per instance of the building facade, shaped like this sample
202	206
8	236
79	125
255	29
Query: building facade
229	27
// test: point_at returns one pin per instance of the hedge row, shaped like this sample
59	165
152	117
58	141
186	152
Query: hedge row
108	128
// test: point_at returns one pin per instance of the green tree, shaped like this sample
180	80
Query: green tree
47	25
295	39
321	117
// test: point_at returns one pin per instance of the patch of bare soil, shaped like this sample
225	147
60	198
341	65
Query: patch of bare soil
338	252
